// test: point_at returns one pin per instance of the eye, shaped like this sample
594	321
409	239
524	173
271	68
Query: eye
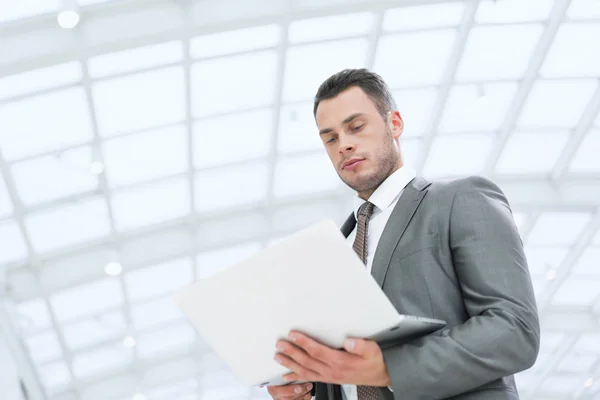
331	140
357	128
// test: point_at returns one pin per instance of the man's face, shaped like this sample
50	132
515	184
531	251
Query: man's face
362	146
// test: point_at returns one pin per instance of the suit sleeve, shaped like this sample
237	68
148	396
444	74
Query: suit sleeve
502	335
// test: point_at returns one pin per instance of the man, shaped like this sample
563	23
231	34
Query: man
445	250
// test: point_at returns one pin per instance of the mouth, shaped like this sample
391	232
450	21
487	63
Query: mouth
352	163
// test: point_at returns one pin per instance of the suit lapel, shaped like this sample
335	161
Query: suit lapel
396	226
349	225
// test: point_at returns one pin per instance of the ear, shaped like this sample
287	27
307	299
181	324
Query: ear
396	124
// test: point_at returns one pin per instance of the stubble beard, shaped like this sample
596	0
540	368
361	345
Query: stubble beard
387	161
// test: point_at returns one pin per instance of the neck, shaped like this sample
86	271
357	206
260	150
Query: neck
365	195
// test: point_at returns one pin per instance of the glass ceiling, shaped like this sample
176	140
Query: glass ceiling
508	89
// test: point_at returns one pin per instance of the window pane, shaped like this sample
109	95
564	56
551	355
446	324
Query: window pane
232	42
498	52
237	186
507	11
55	176
458	155
424	57
303	175
135	59
252	86
68	225
331	27
423	17
302	78
233	138
142	101
40	79
66	111
557	104
574	52
151	204
146	156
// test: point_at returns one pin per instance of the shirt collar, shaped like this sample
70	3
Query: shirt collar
389	190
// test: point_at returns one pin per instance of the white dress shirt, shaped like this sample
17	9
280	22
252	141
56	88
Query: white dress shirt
385	198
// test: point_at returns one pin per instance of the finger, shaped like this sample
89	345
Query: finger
289	391
301	357
301	371
361	347
315	349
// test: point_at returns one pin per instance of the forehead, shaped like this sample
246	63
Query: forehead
351	101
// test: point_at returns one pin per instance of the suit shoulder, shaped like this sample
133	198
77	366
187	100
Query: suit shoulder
474	184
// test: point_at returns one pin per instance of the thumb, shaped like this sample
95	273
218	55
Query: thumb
359	347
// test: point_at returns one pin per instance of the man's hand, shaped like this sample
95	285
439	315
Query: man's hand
361	363
291	392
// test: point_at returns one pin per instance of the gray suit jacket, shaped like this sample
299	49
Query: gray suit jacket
451	250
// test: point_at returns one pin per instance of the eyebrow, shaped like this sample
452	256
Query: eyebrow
346	121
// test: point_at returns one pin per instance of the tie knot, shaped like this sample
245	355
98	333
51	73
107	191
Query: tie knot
366	209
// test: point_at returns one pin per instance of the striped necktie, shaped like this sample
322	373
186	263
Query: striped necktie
360	247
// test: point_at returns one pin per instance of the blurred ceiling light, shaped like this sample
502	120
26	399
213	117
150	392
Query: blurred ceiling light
551	274
96	167
588	383
68	19
113	268
129	341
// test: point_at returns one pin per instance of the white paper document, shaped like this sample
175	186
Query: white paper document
312	282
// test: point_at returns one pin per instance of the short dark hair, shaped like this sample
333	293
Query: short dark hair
371	83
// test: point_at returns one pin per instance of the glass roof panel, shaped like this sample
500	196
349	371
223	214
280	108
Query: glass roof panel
297	129
13	242
243	185
557	103
146	156
164	278
140	101
510	11
546	230
574	52
330	27
231	42
250	87
14	10
86	299
532	152
87	332
458	155
424	57
40	79
302	79
101	360
43	347
68	225
66	111
473	108
311	174
56	176
586	158
233	138
416	109
6	206
135	59
427	16
498	52
151	204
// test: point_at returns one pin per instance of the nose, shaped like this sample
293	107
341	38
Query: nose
345	145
